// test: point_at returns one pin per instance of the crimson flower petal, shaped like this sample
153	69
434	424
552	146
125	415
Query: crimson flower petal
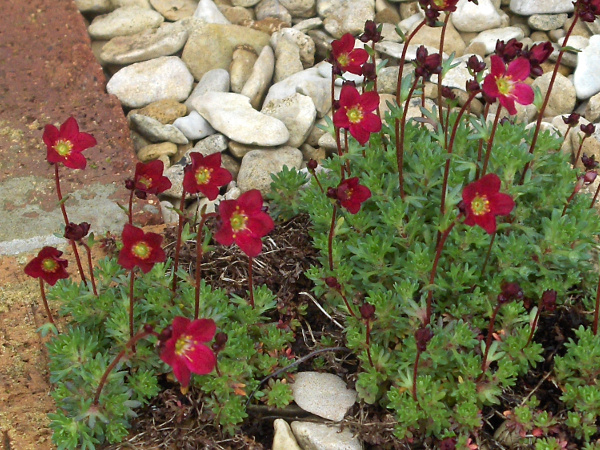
523	93
519	69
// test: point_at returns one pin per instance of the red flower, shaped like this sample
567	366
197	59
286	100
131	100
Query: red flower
345	57
427	65
185	351
48	265
356	113
65	146
205	175
351	195
482	202
444	5
244	222
140	249
149	177
505	84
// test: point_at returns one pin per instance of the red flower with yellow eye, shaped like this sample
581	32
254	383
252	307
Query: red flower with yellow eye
149	177
205	175
185	351
65	145
345	57
482	202
356	113
506	85
48	265
140	249
244	222
351	194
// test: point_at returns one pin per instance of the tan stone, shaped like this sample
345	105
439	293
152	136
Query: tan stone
431	36
237	14
165	111
241	66
155	151
175	9
231	164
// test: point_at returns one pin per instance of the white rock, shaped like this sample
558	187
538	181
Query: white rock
145	82
323	394
194	126
302	40
318	436
287	59
215	143
169	38
94	6
308	82
208	11
257	83
489	37
232	115
284	438
125	3
470	17
325	69
308	24
587	74
562	98
578	42
216	80
272	8
345	16
168	212
258	166
297	112
300	8
529	7
124	22
592	110
156	131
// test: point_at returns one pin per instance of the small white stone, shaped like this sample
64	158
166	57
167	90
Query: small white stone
216	80
318	436
284	438
490	37
258	166
323	394
297	112
587	74
208	11
156	131
124	22
470	17
529	7
194	126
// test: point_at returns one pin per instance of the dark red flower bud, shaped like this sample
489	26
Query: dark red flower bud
372	32
588	129
220	341
589	163
510	291
142	195
367	311
590	176
333	283
475	65
148	328
473	86
129	184
423	335
447	93
549	299
369	71
572	119
509	50
165	334
75	232
312	164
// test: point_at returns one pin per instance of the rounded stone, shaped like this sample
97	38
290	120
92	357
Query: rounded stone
258	166
124	22
175	9
546	22
154	151
562	98
165	111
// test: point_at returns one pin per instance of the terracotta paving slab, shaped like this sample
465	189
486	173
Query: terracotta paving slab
47	73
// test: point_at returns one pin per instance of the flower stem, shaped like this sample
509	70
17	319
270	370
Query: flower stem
490	142
131	281
61	202
595	327
113	364
535	321
199	251
451	149
487	256
488	340
330	240
576	189
130	209
579	150
400	142
178	244
442	37
399	147
486	110
547	98
415	369
250	283
595	196
438	253
91	266
46	307
368	322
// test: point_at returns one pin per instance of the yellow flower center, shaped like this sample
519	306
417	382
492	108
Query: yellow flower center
355	114
480	205
183	345
504	85
238	221
145	181
343	60
440	3
63	147
141	250
203	175
49	265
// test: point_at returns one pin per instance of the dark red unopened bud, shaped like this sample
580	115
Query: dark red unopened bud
331	192
148	328
367	311
572	119
165	334
142	195
475	65
590	176
509	50
510	291
447	93
312	164
130	184
333	283
423	335
369	71
588	129
75	232
589	162
448	444
372	32
473	86
549	300
220	341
